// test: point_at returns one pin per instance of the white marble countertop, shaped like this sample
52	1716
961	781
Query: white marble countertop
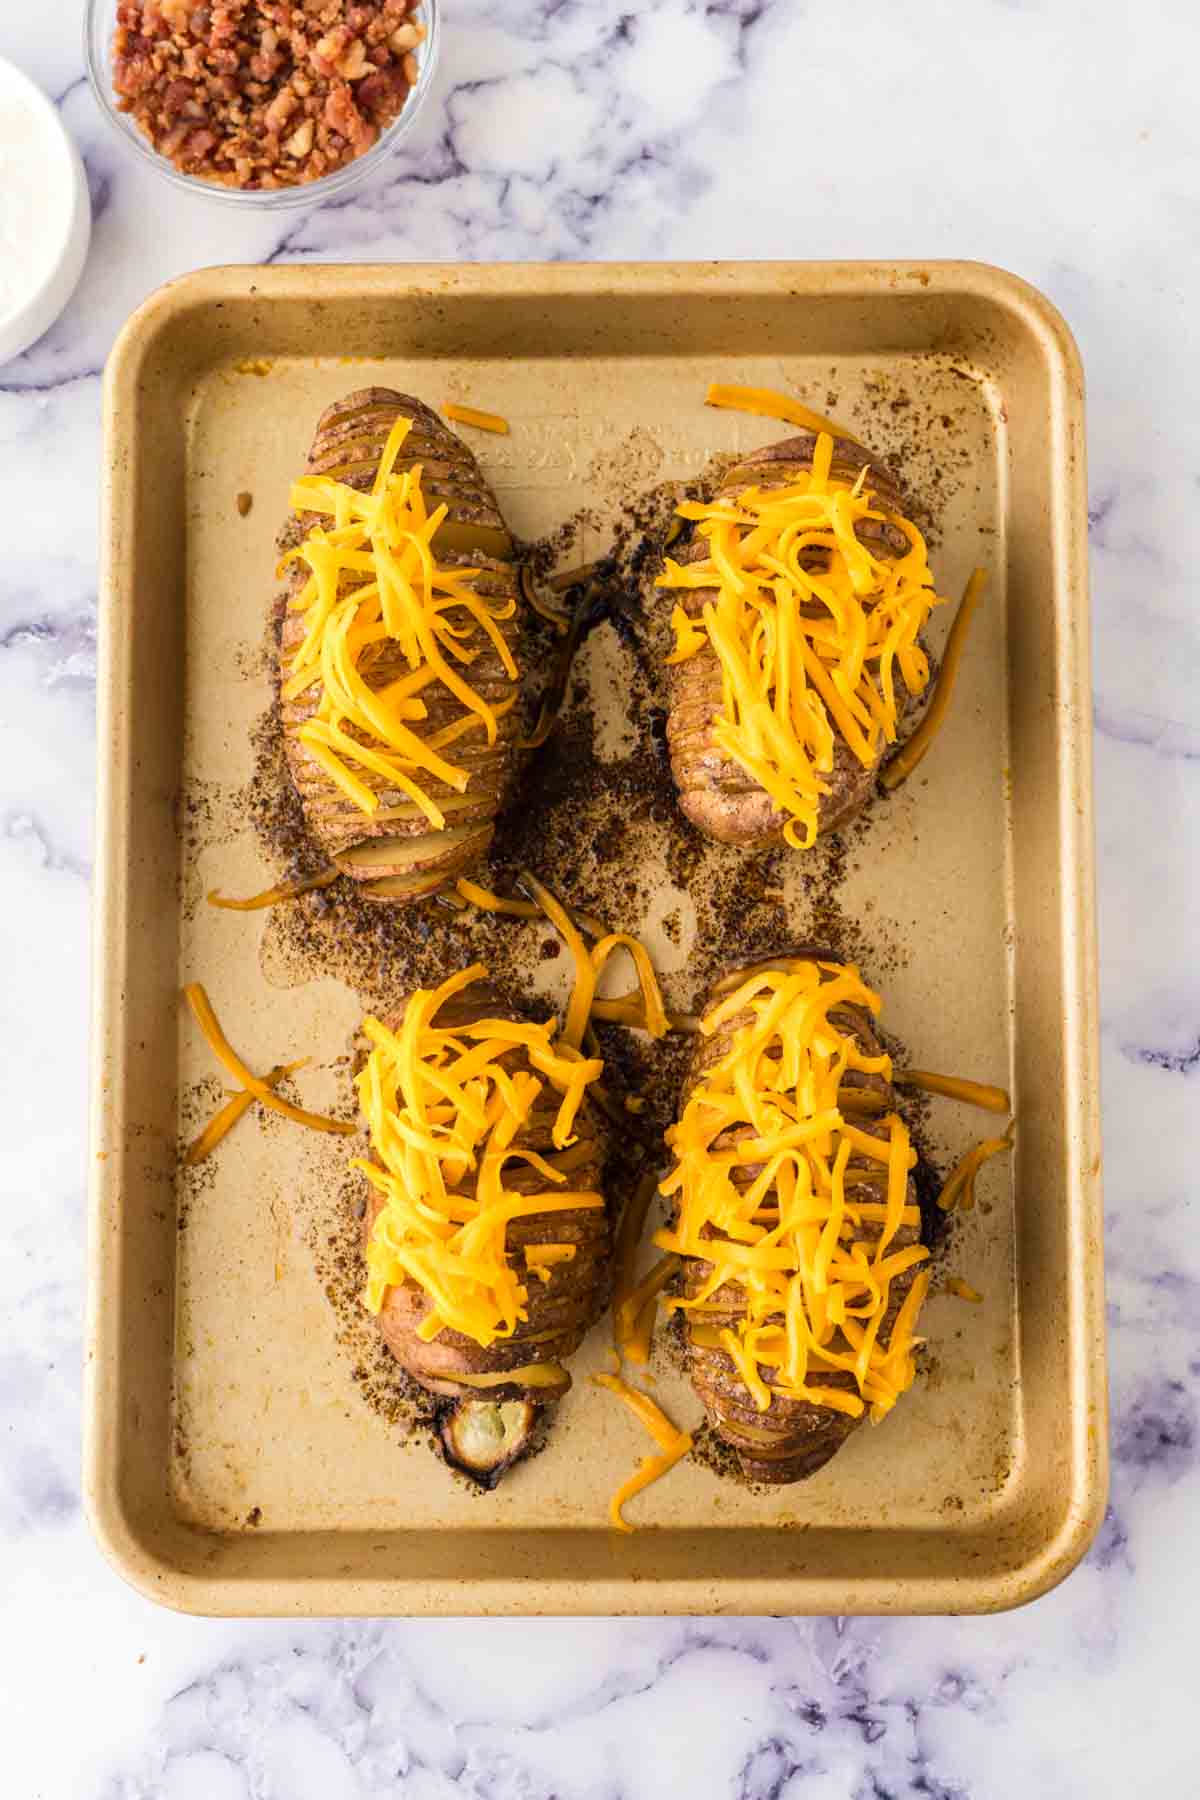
1054	137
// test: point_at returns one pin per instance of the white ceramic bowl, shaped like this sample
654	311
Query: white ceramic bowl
45	213
99	24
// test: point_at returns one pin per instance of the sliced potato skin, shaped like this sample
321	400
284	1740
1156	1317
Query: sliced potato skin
414	868
562	1310
715	793
349	440
792	1439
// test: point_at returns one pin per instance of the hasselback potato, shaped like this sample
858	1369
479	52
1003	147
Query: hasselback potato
408	659
765	745
802	1273
456	1232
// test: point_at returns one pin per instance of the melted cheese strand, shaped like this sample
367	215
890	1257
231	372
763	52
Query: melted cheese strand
486	901
808	626
955	1087
629	1239
636	1347
585	971
649	1470
373	579
630	1009
914	751
630	1306
766	1177
541	1258
445	1116
655	1020
673	1443
589	965
770	405
206	1018
286	890
959	1187
223	1122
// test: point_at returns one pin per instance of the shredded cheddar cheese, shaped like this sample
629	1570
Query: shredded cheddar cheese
286	890
630	1009
767	1183
955	1087
655	1016
445	1116
541	1258
585	975
770	405
223	1122
470	893
471	415
673	1443
635	1303
915	750
530	1375
629	1237
812	629
635	1312
635	1308
206	1018
588	966
589	923
373	579
959	1187
486	901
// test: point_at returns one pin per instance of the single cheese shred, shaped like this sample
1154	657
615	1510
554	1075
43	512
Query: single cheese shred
486	901
272	896
223	1122
775	1192
956	1087
259	1089
959	1187
471	415
813	630
673	1444
771	405
917	747
588	965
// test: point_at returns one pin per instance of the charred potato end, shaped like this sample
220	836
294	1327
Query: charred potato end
484	1438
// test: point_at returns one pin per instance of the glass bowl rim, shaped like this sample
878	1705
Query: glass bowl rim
96	52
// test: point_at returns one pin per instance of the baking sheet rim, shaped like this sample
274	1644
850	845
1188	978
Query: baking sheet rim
118	1533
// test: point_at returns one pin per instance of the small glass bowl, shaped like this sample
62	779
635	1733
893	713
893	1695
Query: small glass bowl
99	23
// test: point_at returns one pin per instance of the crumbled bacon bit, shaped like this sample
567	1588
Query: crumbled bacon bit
264	93
301	140
280	110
